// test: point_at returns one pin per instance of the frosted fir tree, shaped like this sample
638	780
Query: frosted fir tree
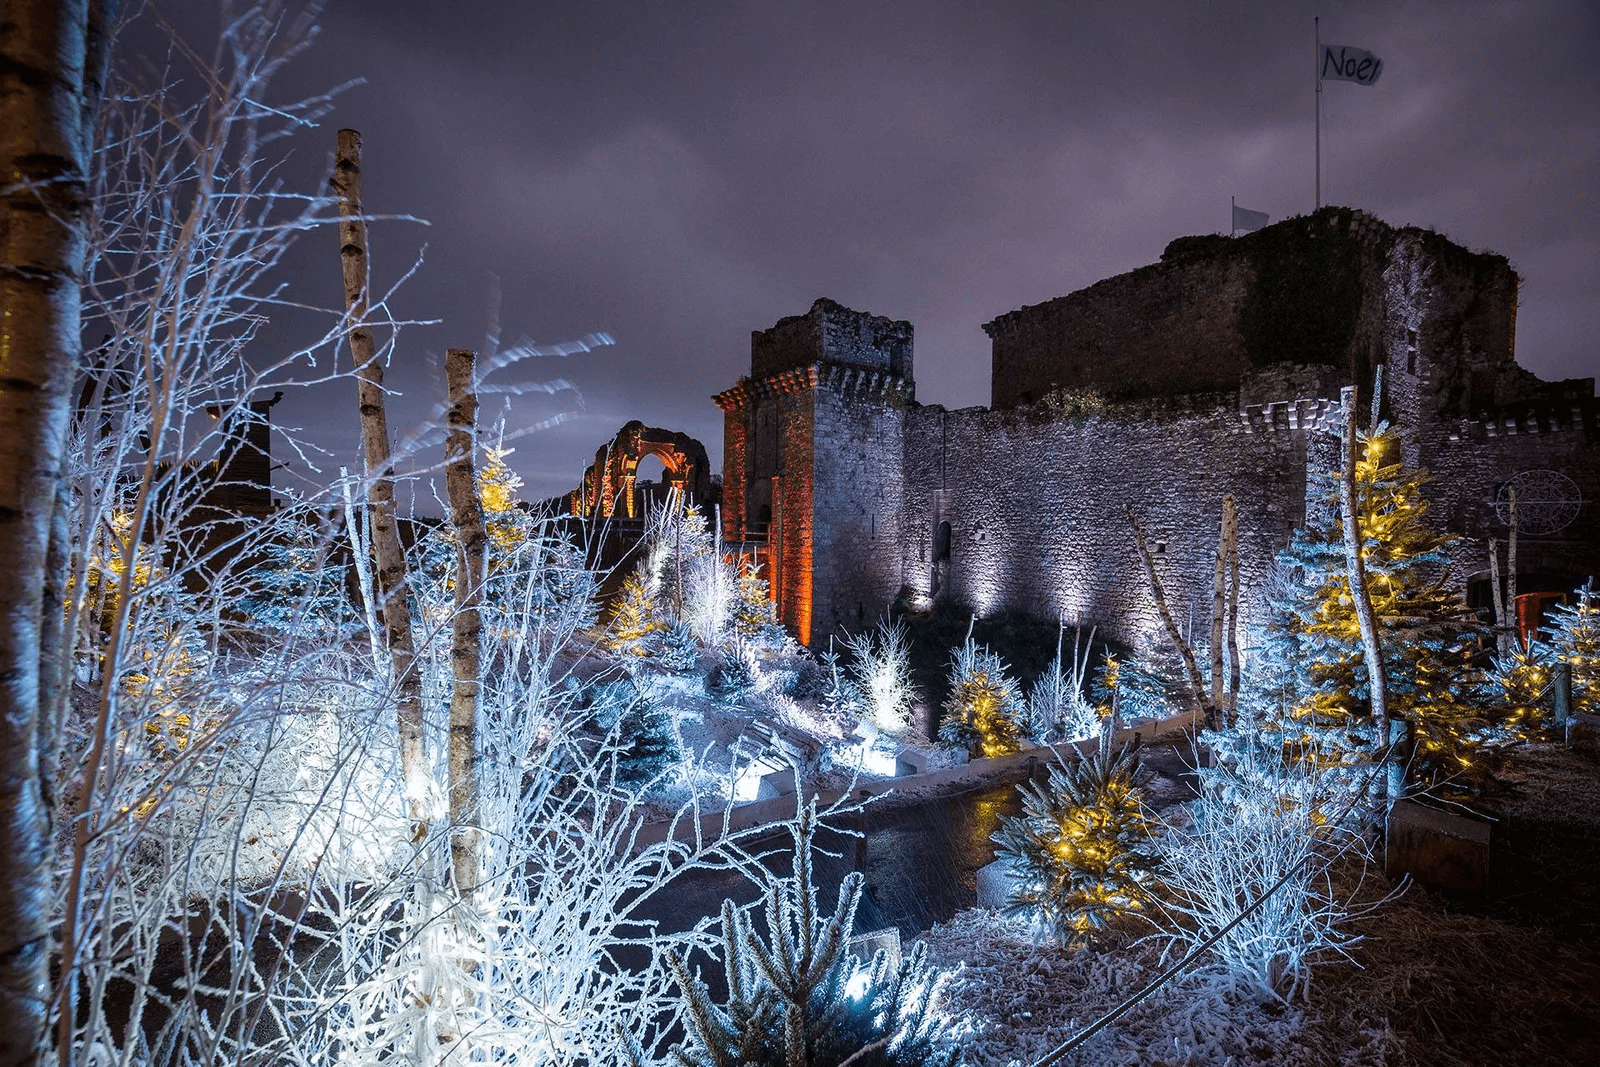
1573	637
1136	687
637	614
636	728
984	708
755	616
796	995
504	515
1080	848
1426	631
299	590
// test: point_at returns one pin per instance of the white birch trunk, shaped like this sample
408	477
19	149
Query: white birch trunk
1502	629
466	515
1230	534
1219	603
390	557
1511	575
51	63
1356	572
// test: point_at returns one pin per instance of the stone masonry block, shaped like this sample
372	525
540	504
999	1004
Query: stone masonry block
994	884
1436	847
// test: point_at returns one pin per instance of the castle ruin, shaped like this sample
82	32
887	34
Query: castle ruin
1216	370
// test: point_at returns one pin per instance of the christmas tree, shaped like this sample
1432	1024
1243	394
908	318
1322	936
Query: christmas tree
1077	847
984	707
1573	637
798	997
1426	631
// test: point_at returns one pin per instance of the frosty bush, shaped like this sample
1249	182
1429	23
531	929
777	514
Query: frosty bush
880	676
1080	849
735	674
984	705
1057	708
676	649
797	997
1263	818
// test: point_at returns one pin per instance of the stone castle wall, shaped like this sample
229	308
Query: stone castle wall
1036	507
1338	289
1217	370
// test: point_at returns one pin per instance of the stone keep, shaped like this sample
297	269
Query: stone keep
813	464
1216	370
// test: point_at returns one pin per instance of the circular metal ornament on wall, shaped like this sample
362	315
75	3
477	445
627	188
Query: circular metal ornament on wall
1546	501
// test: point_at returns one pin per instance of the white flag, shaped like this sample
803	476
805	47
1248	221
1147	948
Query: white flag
1245	219
1341	63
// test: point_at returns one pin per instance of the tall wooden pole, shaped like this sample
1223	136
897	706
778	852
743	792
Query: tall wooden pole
466	515
1356	571
390	572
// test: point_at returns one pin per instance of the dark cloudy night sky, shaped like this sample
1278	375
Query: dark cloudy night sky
679	174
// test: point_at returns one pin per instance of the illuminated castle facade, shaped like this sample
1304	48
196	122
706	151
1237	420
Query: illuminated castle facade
1216	370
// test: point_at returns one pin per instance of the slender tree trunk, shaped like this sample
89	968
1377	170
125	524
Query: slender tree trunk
1356	571
1502	638
1219	605
51	68
1196	681
390	557
1230	534
1511	575
466	514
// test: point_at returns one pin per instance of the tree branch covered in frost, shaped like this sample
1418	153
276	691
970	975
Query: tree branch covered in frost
1262	819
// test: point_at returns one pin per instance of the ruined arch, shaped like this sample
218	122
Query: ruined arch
608	485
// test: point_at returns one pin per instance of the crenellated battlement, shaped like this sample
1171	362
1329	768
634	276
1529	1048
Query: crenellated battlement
1289	416
850	382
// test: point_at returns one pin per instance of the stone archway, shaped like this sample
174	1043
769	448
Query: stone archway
608	485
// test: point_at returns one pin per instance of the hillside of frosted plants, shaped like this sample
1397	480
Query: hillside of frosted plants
337	785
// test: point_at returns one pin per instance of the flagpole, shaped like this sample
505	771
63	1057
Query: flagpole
1316	23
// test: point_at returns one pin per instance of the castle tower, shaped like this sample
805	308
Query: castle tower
813	464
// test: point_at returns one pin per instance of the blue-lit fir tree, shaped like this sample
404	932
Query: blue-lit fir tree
1314	671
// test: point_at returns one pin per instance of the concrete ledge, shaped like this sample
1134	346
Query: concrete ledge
865	946
779	783
995	883
1436	847
1583	733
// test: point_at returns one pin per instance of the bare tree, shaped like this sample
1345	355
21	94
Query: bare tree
391	561
466	516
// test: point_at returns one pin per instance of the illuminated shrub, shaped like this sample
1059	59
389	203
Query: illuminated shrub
1078	848
984	707
1267	831
880	676
636	616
